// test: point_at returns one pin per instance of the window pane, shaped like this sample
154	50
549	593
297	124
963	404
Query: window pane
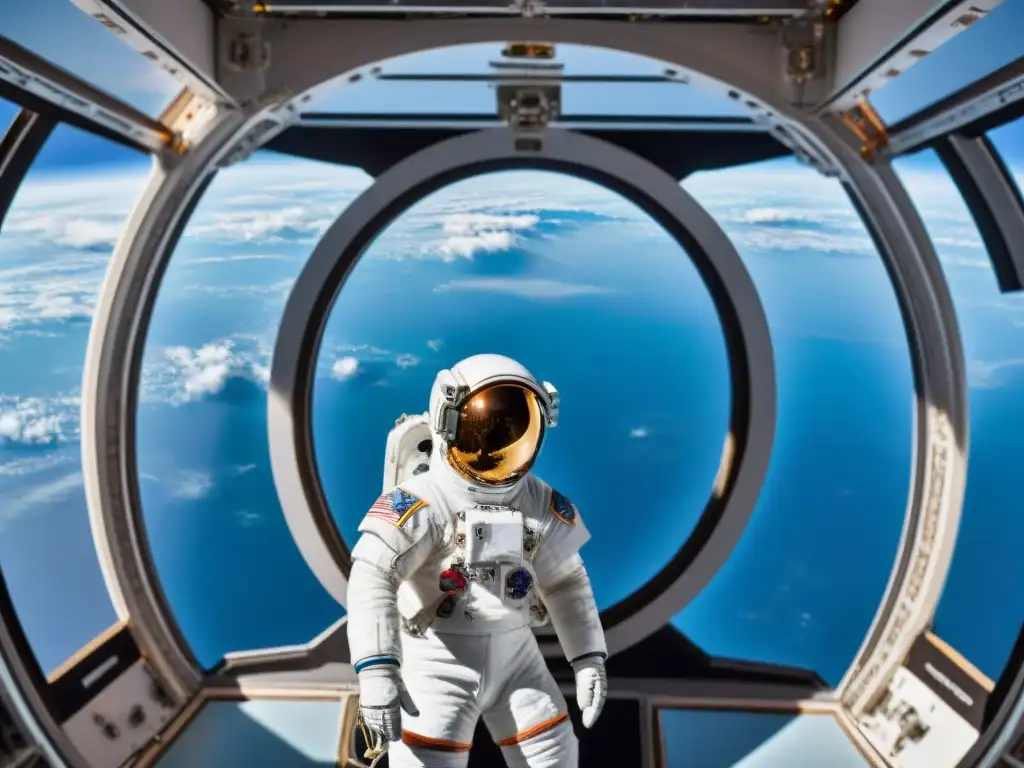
608	99
70	38
990	43
755	740
661	99
54	249
982	605
589	293
290	734
805	580
476	59
225	557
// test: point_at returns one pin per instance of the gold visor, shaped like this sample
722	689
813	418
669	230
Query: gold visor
499	435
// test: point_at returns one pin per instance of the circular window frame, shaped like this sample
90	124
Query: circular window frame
752	420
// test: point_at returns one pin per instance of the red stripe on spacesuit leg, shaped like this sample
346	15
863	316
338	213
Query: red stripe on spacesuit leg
535	730
411	739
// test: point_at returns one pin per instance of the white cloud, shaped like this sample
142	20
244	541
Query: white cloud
180	374
296	203
193	485
992	375
29	500
435	344
525	287
778	215
638	433
74	211
205	370
38	421
793	239
292	224
407	361
773	208
467	234
345	368
184	374
35	463
48	289
247	518
236	258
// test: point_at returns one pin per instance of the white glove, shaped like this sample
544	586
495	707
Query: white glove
382	697
591	687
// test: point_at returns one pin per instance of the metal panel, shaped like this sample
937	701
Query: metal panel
680	150
178	37
692	8
879	39
308	53
992	100
24	72
994	202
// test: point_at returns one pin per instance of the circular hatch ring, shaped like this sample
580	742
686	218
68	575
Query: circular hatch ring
748	445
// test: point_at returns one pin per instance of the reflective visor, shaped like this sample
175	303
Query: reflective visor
499	435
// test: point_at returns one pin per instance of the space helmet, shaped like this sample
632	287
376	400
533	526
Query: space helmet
490	415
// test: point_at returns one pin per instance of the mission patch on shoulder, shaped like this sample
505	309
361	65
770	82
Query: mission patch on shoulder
562	508
396	507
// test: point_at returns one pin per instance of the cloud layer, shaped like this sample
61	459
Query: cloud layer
259	222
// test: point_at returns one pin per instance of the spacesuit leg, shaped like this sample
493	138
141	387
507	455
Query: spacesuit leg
529	719
443	676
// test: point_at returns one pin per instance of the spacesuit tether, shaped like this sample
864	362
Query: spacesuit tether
454	567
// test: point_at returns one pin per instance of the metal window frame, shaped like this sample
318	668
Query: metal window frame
993	100
879	39
33	82
940	442
22	677
701	9
175	37
994	201
309	53
748	341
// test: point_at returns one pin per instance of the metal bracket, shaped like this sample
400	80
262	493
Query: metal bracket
248	52
189	117
529	8
529	108
867	126
804	47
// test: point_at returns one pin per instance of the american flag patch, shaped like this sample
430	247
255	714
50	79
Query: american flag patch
396	507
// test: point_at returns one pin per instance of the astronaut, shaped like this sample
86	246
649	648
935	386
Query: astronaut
453	569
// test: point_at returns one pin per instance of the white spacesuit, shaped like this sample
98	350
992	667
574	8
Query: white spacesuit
454	567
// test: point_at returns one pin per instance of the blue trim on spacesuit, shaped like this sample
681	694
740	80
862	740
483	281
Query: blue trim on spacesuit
375	661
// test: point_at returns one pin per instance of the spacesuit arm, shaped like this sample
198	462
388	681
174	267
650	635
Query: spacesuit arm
385	554
565	586
569	599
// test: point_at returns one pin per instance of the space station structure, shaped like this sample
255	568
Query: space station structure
803	72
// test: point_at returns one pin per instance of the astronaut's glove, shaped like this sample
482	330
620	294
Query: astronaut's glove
591	687
382	697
